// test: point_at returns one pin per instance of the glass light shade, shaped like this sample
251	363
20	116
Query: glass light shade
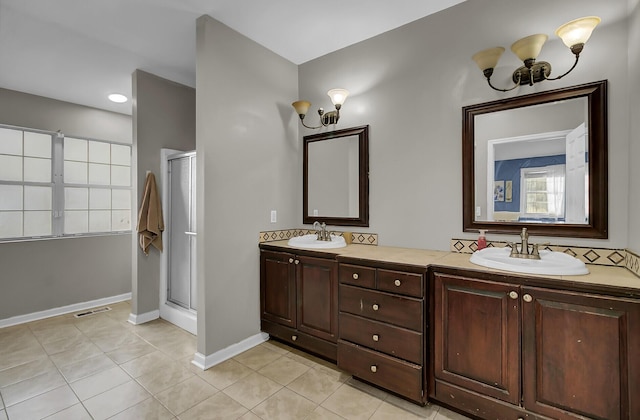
577	31
301	107
488	59
338	96
118	98
529	47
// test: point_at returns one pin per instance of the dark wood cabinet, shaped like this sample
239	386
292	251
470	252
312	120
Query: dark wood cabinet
299	300
382	325
507	350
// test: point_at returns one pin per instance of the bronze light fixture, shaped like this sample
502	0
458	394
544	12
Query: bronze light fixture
338	96
574	34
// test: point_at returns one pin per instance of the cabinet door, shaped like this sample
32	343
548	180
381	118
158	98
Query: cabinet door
477	336
317	292
581	355
278	288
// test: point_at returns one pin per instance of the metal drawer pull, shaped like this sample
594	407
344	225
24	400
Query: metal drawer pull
375	337
375	307
297	261
374	368
513	295
397	282
290	260
527	298
355	276
294	337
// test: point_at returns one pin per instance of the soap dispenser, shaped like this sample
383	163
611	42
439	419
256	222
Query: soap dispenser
482	241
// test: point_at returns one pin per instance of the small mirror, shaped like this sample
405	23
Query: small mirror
538	161
336	177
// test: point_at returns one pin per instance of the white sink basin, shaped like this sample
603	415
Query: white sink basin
311	241
550	262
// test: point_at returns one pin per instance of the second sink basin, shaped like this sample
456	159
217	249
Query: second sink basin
550	262
311	241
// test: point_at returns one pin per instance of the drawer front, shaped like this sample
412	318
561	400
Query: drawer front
397	310
394	341
411	284
358	275
388	372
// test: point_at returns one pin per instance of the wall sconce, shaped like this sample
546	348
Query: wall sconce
574	34
338	96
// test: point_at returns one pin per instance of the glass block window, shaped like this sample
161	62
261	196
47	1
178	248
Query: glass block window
51	185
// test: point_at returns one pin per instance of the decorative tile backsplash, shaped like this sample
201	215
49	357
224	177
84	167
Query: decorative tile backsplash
633	263
281	235
589	255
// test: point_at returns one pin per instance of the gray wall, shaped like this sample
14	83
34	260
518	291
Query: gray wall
248	162
410	84
163	117
634	126
46	274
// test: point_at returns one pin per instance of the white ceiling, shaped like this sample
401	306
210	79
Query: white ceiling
81	50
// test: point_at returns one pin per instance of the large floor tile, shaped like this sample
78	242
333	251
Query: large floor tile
351	403
75	412
149	409
146	364
99	382
252	390
225	374
185	395
321	413
26	371
57	333
87	367
21	354
131	351
315	385
284	405
65	344
159	380
284	370
83	350
257	357
116	400
3	415
43	405
218	407
31	387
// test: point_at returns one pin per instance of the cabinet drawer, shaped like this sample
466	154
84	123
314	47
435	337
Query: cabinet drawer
388	372
395	341
358	275
400	282
402	311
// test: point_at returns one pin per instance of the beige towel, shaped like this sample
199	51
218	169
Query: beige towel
150	222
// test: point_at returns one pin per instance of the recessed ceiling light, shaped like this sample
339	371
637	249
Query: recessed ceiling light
118	98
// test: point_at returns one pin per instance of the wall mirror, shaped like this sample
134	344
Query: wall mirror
336	177
538	161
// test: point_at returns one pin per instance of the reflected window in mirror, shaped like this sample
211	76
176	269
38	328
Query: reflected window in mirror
336	177
538	161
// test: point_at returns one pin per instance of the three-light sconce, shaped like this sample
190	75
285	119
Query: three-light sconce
338	96
574	34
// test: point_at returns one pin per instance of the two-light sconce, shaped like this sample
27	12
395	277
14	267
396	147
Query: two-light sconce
338	96
574	34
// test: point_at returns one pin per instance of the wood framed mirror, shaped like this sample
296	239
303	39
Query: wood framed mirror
336	177
538	161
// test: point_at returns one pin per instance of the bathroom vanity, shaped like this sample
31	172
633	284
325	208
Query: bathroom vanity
431	326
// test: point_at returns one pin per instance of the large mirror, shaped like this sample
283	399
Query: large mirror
538	161
336	177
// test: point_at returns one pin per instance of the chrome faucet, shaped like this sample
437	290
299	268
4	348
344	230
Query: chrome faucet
322	234
523	252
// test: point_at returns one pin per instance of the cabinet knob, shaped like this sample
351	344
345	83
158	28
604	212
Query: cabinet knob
290	260
297	262
374	368
375	337
294	337
355	276
527	298
375	307
513	295
397	282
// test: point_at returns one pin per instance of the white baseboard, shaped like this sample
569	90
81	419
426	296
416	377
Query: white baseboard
142	318
205	362
21	319
184	319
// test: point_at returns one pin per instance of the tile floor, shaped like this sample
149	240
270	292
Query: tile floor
102	367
